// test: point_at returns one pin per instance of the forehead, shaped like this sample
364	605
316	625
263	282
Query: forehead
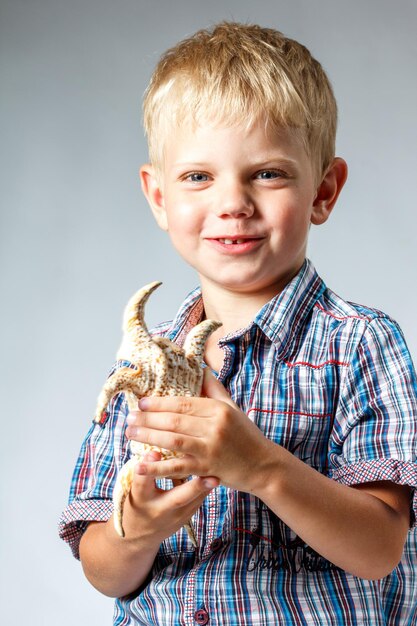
194	142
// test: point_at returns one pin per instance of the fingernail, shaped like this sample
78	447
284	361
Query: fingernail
209	483
131	418
143	404
140	469
152	456
132	432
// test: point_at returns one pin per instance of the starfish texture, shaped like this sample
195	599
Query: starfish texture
162	368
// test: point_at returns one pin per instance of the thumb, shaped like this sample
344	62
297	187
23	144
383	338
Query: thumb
144	486
212	388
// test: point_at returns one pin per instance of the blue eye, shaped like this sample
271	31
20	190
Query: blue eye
269	174
197	177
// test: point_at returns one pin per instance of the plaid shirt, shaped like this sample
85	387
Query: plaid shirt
332	382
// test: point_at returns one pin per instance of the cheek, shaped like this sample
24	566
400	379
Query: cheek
292	220
183	231
181	225
184	218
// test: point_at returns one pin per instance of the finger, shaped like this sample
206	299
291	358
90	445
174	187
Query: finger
177	442
190	492
143	487
209	482
185	405
188	405
174	424
171	468
152	456
169	422
132	417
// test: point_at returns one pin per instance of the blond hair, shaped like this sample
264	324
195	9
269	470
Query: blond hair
236	73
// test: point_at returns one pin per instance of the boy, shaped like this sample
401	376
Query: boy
303	451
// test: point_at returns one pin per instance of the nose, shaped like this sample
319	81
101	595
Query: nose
234	200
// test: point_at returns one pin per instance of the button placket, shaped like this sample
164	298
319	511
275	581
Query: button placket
211	521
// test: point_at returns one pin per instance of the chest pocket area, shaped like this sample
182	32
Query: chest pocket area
305	436
295	409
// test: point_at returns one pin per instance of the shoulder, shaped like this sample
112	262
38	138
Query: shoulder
361	332
348	328
338	314
341	310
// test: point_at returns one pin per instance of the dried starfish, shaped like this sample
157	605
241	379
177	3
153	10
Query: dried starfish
162	369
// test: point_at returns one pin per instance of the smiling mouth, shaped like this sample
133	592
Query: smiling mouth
230	242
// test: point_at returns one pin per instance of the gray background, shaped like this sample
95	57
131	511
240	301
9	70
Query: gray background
77	237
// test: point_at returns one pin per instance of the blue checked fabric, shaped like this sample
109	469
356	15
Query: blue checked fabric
332	382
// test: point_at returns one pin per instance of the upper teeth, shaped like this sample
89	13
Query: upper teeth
228	241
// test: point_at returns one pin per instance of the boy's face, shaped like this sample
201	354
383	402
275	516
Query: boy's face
237	204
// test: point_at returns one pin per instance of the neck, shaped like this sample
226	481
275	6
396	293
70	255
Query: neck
233	310
236	308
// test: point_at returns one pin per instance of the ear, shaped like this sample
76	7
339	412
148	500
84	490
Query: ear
151	187
328	191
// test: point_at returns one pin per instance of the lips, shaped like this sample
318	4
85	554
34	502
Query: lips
234	240
235	244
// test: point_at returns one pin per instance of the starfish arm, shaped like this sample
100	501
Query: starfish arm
121	490
124	379
191	534
195	341
135	332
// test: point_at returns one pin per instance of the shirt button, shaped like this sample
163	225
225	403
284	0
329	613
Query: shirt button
201	617
216	544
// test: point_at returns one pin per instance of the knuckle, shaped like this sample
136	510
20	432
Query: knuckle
184	405
178	443
219	432
178	468
174	422
177	500
142	419
222	421
224	413
141	435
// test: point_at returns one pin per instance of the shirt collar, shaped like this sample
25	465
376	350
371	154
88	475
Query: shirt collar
278	319
190	314
281	317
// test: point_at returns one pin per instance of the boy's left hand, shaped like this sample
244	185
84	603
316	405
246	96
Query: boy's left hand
216	438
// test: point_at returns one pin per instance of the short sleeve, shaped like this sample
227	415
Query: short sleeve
103	452
375	429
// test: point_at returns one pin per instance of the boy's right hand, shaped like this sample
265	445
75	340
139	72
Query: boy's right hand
117	566
152	514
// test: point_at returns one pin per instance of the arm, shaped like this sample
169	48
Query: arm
114	566
117	566
361	530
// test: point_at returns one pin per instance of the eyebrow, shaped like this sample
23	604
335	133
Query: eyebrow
262	162
191	164
275	159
